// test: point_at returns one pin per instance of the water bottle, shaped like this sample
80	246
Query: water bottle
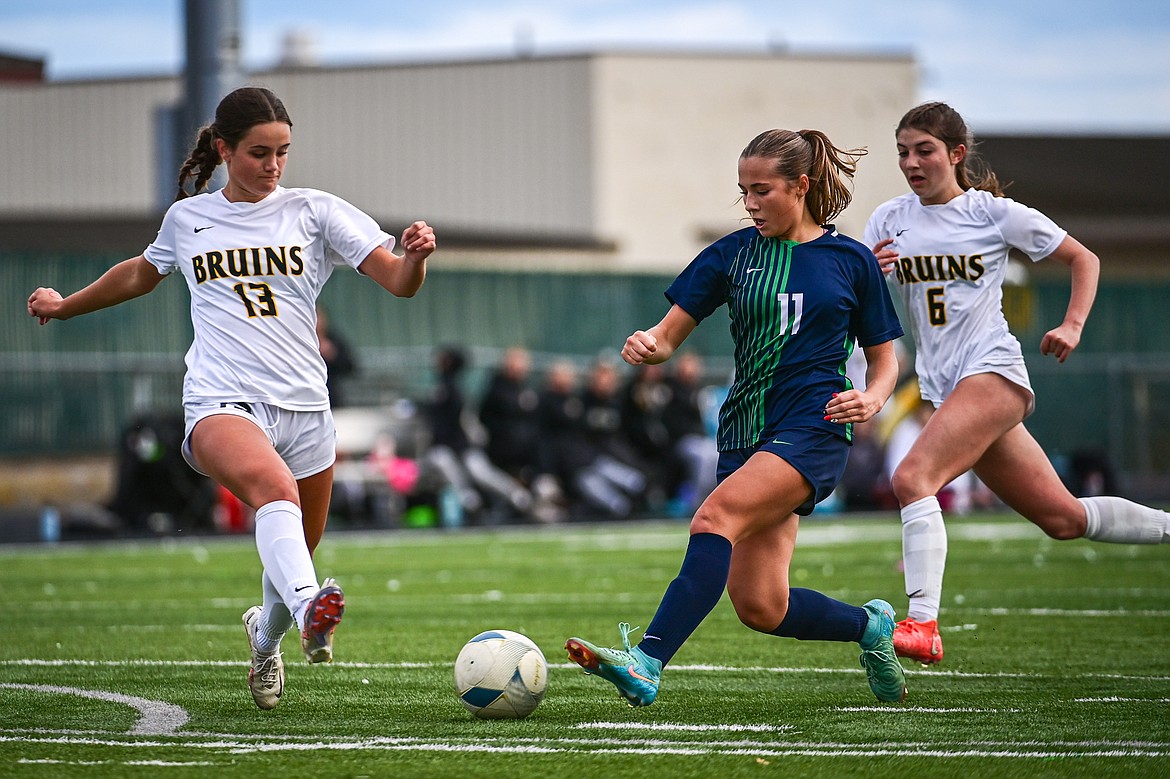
450	507
50	525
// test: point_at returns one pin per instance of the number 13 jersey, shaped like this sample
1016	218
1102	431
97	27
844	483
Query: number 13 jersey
254	271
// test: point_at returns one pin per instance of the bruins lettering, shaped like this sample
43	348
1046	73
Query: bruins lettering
238	263
939	267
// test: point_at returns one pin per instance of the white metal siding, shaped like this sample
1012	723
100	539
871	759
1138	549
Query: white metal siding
80	148
634	150
499	147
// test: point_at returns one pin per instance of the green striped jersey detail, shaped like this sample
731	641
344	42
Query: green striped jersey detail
761	331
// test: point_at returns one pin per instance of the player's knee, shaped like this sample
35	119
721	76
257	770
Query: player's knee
907	485
759	616
269	488
1061	527
712	518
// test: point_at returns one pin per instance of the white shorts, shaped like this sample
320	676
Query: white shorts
1002	356
1016	373
305	440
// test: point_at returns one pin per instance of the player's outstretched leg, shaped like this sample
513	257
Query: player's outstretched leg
918	641
266	674
321	618
632	671
886	678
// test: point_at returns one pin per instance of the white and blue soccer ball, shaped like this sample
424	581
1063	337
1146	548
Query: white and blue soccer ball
500	674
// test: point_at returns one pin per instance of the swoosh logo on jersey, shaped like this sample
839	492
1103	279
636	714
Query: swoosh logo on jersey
752	270
201	229
904	229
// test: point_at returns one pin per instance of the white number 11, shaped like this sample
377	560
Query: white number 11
797	305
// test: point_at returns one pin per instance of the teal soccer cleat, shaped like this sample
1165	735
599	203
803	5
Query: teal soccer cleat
886	678
632	671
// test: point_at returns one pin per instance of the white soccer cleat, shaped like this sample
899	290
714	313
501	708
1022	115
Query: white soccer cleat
266	674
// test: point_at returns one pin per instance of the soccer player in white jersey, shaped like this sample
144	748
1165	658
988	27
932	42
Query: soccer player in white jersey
944	247
255	256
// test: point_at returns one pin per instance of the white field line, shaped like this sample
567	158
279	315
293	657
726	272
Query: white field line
525	598
1117	699
681	727
685	668
236	745
155	718
151	763
637	535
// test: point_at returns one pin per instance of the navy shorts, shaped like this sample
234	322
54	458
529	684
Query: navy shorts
817	454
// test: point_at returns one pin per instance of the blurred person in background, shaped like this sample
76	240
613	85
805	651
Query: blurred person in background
695	449
594	479
340	362
509	412
462	461
646	402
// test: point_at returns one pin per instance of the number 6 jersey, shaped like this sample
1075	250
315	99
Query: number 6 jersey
952	260
254	271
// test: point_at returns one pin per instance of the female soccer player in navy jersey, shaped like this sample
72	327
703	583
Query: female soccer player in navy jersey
945	248
800	296
255	256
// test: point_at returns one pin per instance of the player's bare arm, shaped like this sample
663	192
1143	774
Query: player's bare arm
126	280
656	345
1086	270
402	276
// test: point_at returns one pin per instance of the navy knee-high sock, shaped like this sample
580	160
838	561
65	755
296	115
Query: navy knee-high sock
690	597
813	616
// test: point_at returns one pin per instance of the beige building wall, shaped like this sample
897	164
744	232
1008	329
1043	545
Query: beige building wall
607	161
669	130
80	148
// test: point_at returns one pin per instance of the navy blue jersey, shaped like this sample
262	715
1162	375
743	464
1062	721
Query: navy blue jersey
797	310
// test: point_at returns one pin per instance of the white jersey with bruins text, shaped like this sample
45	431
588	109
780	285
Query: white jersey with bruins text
952	261
254	271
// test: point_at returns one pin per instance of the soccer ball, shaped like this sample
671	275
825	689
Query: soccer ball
500	674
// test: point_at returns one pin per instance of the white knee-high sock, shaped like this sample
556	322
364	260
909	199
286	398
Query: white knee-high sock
924	557
275	619
280	539
1121	521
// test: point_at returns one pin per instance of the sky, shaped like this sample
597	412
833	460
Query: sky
1009	66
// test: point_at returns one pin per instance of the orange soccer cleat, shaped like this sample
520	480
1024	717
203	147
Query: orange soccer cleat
918	641
325	611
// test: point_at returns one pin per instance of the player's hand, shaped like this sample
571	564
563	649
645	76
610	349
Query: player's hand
887	258
418	241
639	347
851	406
1060	341
44	304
